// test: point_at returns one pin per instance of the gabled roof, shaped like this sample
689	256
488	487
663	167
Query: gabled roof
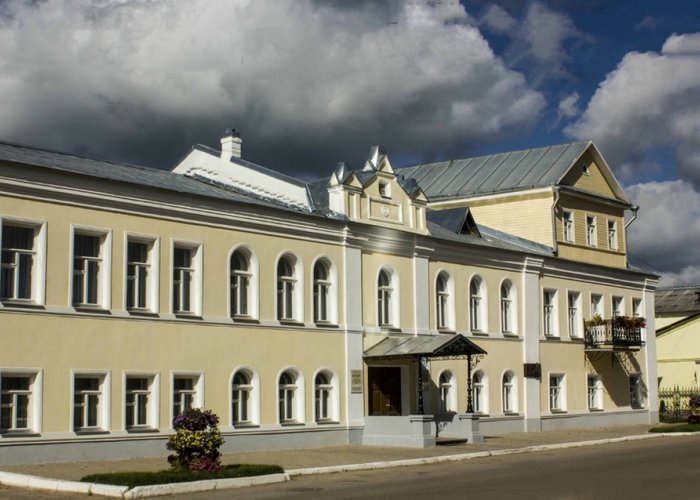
431	346
511	171
458	220
676	324
685	299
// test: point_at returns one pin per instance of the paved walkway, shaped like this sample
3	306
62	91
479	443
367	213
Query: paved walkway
337	455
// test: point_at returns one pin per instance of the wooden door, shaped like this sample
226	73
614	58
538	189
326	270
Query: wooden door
384	390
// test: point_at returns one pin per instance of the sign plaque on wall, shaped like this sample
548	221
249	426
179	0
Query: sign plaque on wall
356	381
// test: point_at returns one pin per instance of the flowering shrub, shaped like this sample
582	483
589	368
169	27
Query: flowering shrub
196	441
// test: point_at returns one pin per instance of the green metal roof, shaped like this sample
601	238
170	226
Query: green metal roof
527	169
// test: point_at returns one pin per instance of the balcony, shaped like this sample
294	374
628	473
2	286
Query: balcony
621	333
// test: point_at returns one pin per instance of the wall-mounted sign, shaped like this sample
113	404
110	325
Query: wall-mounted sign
356	381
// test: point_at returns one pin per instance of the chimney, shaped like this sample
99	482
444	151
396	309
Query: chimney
231	144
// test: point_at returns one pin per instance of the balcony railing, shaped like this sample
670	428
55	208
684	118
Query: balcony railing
612	335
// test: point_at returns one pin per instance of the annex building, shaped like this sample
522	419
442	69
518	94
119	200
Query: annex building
376	305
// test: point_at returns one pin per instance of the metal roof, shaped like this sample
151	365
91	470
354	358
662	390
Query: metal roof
131	174
527	169
433	346
677	300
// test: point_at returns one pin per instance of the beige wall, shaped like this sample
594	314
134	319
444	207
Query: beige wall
678	355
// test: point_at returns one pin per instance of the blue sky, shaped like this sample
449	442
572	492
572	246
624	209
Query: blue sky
313	82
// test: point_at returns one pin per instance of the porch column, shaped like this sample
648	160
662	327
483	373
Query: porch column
470	399
649	338
530	312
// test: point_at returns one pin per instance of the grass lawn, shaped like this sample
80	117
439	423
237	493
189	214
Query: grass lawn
676	428
132	479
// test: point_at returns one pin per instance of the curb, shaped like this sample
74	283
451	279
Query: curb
59	485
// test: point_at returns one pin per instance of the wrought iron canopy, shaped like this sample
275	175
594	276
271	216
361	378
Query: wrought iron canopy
441	346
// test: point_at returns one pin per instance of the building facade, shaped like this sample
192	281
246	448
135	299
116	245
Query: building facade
314	314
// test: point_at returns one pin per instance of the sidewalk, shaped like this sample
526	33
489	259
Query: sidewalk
339	455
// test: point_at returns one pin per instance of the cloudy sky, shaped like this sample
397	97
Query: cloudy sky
313	82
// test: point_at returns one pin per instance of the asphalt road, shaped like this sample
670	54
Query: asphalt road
665	468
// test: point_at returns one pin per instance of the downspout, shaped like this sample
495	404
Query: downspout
554	220
634	209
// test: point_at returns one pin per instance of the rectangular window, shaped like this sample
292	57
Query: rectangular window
637	308
574	299
91	268
612	235
567	221
187	279
186	393
140	276
595	392
88	403
15	402
635	391
596	305
18	258
591	231
549	312
140	402
618	307
557	393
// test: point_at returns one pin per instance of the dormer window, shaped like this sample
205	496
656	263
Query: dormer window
384	190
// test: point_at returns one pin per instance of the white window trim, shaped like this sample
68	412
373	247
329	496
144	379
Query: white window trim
253	397
198	388
197	250
554	330
394	298
332	306
36	403
449	319
562	392
592	239
483	307
598	394
299	397
38	293
514	393
154	400
600	310
334	406
577	331
105	414
105	273
451	403
153	280
483	401
570	235
297	292
253	283
513	310
613	244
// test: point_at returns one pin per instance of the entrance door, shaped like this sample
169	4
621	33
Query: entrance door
384	390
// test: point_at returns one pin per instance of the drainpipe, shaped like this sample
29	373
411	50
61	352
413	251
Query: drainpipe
554	219
634	209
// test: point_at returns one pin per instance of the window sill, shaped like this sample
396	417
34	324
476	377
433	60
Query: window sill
141	430
187	315
511	413
20	433
389	329
594	410
510	334
290	322
142	312
552	337
24	303
245	319
479	333
90	432
446	330
292	423
245	425
325	324
557	412
88	308
327	422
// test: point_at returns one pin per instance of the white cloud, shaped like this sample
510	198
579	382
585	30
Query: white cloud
650	101
497	19
667	231
307	82
568	106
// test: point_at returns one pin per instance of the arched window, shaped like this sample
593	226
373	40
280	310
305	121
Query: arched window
287	397
241	389
322	293
444	302
448	393
286	288
241	275
510	393
479	392
324	397
508	308
477	305
385	299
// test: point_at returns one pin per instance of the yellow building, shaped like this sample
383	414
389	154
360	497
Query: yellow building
377	306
